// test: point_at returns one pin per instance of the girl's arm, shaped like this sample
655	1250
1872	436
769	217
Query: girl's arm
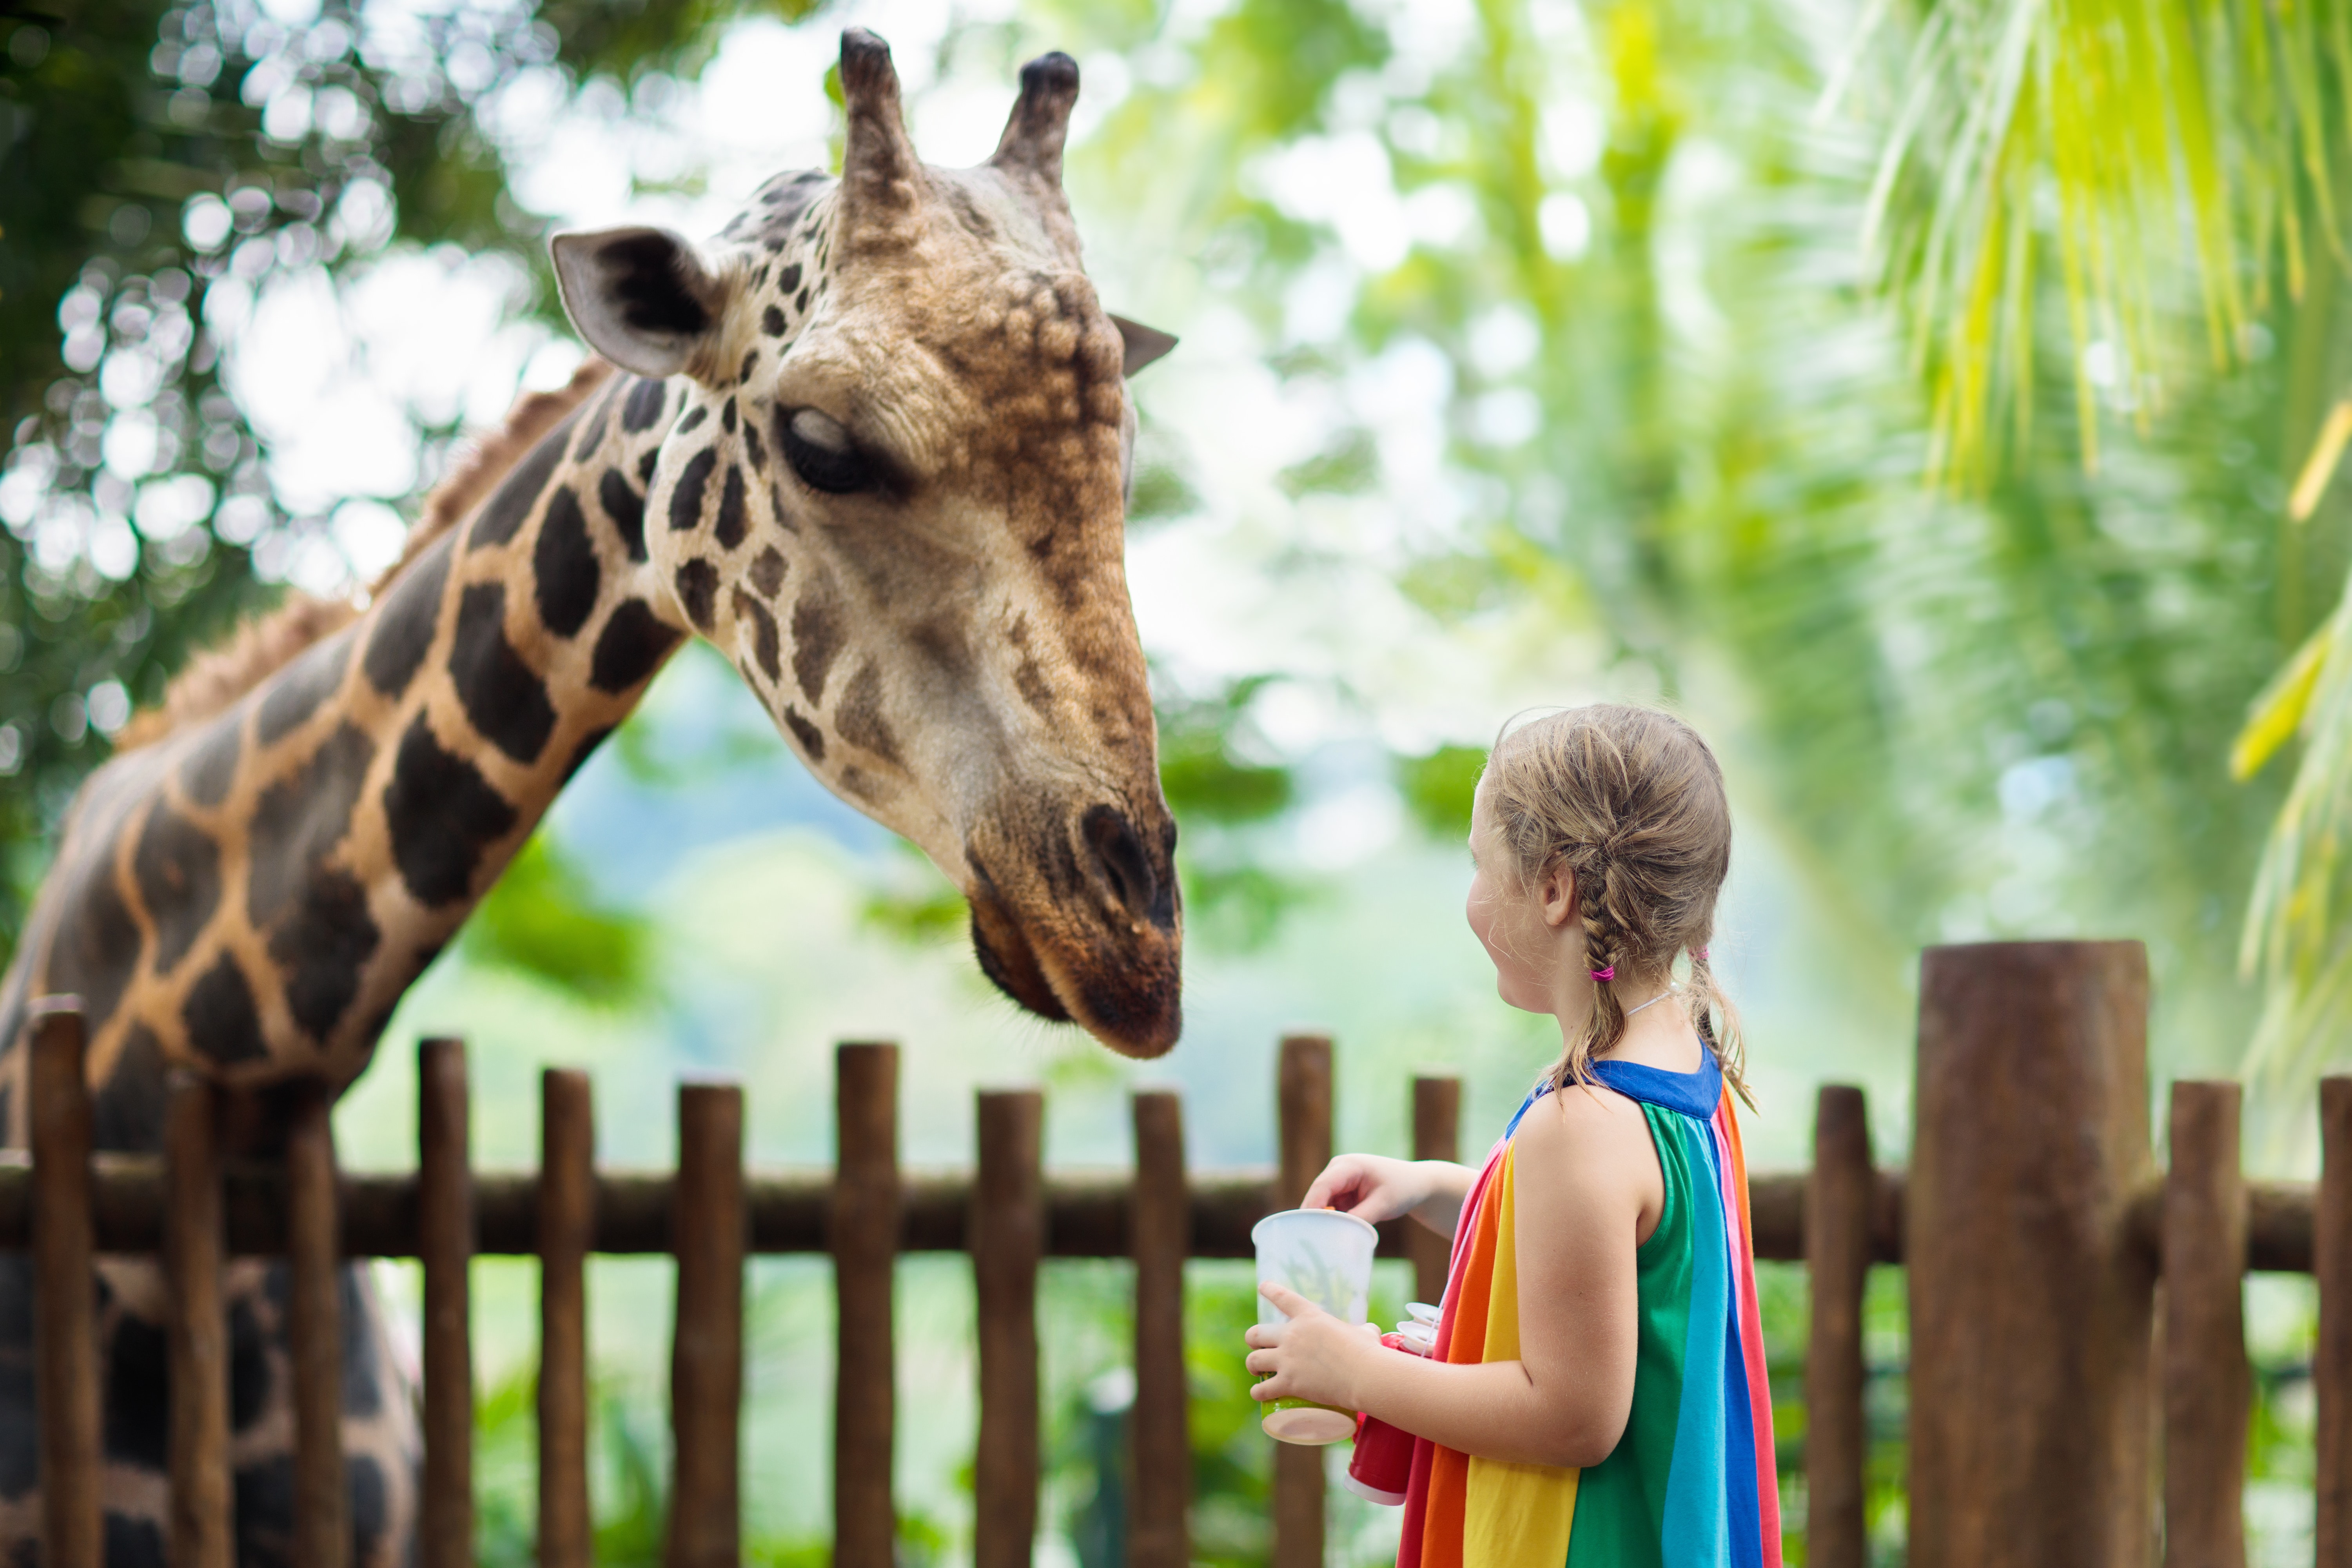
1375	1187
1586	1193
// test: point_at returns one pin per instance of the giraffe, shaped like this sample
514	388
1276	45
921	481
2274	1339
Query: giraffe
872	442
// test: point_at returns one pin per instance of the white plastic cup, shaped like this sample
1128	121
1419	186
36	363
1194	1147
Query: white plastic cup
1327	1257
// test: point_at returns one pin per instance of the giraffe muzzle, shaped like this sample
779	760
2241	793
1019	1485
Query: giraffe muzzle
1087	930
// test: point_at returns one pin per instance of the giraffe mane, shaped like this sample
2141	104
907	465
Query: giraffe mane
259	646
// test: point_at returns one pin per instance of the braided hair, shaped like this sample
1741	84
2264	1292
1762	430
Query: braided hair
1630	802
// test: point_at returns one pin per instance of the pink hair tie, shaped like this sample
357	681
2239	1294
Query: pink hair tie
1699	954
1605	975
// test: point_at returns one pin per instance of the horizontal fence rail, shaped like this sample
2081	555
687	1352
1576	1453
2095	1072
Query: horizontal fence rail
1088	1213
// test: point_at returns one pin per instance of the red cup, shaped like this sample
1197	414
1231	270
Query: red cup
1383	1467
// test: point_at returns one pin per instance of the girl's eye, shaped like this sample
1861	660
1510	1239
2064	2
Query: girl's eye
822	453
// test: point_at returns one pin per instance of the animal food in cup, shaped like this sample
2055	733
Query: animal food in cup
1327	1257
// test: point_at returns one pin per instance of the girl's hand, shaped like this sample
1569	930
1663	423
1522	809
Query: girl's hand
1371	1186
1313	1356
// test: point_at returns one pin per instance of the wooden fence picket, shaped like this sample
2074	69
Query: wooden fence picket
1008	1239
706	1398
2208	1389
1160	1441
445	1244
1436	1135
64	1305
1837	1252
203	1530
864	1238
2331	1258
567	1233
323	1537
1303	1100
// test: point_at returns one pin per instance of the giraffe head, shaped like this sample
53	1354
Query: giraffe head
892	491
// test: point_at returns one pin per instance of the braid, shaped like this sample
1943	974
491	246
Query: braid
1605	945
1706	1000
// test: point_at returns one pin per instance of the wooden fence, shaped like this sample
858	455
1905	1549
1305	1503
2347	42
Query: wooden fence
2033	1219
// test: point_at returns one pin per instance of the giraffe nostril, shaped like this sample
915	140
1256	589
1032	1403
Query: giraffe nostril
1118	851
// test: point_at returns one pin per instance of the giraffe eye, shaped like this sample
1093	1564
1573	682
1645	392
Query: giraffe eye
822	453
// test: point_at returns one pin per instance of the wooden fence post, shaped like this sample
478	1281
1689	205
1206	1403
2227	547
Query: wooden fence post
322	1535
2208	1389
1436	1135
1304	1095
1161	1232
1008	1238
2332	1358
203	1497
1838	1196
445	1229
863	1227
567	1231
711	1229
65	1325
2030	1306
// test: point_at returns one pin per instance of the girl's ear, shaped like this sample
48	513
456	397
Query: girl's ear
1558	892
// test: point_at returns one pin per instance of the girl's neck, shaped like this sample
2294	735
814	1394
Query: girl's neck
1659	1035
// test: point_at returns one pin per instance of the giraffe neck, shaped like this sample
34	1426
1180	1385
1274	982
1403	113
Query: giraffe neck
253	896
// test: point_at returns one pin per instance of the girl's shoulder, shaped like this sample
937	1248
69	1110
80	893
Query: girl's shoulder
1584	1155
1587	1119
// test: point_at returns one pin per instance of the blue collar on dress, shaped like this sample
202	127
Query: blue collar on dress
1692	1093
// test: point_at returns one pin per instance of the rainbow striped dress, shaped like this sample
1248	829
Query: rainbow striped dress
1692	1483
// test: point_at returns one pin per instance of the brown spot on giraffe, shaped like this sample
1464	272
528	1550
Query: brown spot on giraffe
248	889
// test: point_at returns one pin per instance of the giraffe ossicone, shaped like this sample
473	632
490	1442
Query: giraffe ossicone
873	441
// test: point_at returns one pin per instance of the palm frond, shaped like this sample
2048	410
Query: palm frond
2293	939
2159	152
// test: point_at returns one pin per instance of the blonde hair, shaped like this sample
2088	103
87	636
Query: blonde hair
1630	801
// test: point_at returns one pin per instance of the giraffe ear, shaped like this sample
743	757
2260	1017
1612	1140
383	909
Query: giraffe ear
1144	343
643	298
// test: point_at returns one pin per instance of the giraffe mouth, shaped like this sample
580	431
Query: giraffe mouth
1120	983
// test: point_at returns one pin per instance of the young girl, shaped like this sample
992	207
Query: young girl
1597	1395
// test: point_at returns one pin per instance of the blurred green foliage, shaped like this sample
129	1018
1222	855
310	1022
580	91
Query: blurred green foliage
1204	779
914	902
543	919
628	1484
1439	787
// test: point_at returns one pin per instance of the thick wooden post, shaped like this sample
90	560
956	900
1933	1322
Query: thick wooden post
1304	1097
445	1229
2332	1357
1160	1231
203	1502
711	1228
1008	1238
865	1239
1838	1198
323	1534
2208	1388
2030	1308
65	1305
1436	1135
567	1229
